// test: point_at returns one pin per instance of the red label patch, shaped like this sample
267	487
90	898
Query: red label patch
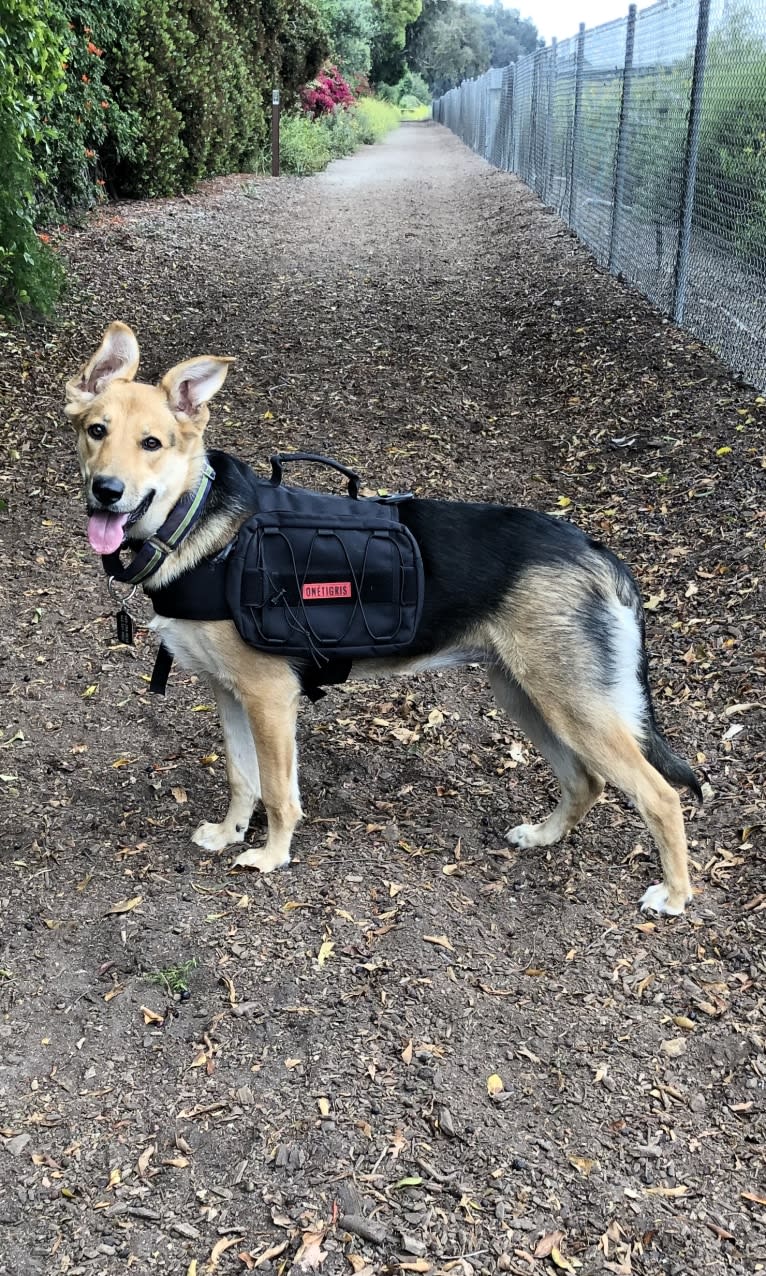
326	589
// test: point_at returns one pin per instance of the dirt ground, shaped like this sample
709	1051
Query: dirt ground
207	1071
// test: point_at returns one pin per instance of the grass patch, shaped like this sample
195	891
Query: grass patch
174	979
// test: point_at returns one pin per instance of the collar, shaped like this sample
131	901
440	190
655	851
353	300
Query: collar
153	552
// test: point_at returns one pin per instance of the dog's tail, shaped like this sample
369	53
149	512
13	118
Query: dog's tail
657	751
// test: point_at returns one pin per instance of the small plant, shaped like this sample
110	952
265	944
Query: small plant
174	979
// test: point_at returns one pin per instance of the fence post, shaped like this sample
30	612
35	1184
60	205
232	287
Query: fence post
576	122
618	192
548	163
691	156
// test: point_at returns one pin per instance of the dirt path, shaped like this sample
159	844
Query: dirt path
419	315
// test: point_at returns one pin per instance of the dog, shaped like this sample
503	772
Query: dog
554	617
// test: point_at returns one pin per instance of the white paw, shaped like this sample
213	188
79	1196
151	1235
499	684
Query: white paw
656	898
527	835
216	837
262	858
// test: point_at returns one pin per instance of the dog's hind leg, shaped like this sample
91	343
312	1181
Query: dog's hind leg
580	787
241	771
659	805
272	708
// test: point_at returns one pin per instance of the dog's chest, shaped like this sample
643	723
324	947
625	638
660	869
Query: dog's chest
191	646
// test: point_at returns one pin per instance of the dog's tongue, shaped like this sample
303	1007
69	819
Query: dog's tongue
105	531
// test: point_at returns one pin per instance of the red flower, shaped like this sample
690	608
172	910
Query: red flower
85	79
93	48
105	106
46	239
89	153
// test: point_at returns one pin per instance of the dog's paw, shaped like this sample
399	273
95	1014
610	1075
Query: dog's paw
216	837
656	898
262	858
527	835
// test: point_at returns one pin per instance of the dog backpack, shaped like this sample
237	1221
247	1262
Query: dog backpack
324	577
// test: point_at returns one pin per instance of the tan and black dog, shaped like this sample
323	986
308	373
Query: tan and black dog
554	617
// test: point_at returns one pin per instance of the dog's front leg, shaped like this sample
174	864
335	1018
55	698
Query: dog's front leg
241	771
272	709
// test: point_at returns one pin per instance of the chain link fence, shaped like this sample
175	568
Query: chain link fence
648	137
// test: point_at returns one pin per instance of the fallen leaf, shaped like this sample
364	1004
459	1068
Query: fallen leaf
682	1022
326	950
324	1107
407	1053
753	1196
126	905
231	990
583	1164
413	1180
90	691
272	1252
145	1158
674	1048
547	1244
441	941
681	1190
494	1085
558	1258
151	1016
179	794
220	1248
310	1256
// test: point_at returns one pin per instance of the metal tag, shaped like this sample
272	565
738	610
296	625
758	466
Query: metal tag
125	627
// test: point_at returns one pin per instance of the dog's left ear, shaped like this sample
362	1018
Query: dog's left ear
116	359
190	385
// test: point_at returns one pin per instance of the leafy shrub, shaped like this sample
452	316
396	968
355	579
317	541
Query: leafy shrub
408	102
373	119
413	85
303	145
31	55
88	127
307	145
326	93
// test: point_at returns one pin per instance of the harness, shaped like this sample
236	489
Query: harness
320	580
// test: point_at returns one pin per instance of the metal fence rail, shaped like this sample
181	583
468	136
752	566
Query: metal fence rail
648	136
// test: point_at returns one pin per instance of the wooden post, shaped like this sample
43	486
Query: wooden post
275	132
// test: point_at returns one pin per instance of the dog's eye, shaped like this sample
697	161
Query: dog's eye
97	430
150	443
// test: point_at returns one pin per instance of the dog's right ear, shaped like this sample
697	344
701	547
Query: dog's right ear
116	359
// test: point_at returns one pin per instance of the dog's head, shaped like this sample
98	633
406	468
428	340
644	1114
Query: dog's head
140	446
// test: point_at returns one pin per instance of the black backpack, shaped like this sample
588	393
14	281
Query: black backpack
325	577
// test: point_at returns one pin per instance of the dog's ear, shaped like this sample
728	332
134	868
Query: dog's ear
116	359
191	384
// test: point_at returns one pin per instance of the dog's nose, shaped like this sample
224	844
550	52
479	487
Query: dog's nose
107	490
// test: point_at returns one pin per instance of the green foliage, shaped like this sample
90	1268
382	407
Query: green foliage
731	179
411	85
450	42
89	129
373	119
308	145
303	145
351	27
31	78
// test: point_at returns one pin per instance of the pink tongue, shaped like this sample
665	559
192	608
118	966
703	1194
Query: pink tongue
105	531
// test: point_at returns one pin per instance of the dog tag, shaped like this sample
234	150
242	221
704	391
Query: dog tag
124	627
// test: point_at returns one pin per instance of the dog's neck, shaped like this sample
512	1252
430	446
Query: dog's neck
153	553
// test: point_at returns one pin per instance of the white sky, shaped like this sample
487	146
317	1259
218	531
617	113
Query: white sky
561	18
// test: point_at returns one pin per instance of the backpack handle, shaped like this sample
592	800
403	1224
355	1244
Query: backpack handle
279	459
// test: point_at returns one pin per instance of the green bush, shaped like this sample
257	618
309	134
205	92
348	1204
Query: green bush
31	78
303	145
373	119
308	145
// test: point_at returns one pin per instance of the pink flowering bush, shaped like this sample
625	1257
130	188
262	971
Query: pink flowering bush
326	93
